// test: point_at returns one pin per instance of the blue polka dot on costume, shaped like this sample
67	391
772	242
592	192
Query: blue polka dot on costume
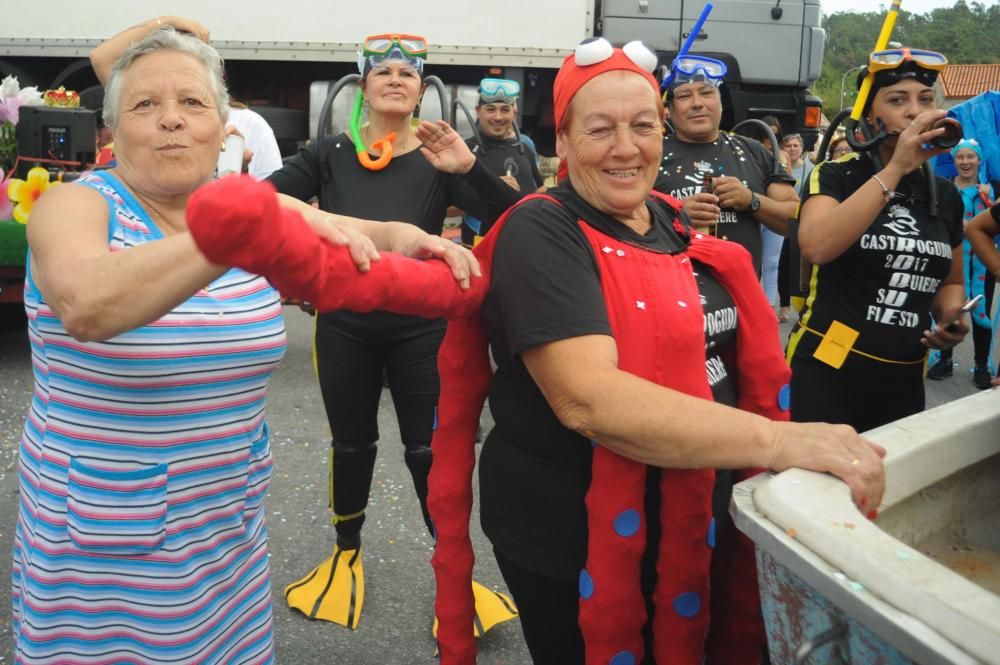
687	604
586	585
627	523
594	443
785	397
710	536
623	658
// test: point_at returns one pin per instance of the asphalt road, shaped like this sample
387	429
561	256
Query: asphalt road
395	626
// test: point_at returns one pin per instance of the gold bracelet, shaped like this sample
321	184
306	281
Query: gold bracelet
887	193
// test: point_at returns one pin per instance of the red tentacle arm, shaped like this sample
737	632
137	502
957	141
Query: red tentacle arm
238	222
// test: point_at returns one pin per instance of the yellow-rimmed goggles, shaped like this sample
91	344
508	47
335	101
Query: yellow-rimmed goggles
897	57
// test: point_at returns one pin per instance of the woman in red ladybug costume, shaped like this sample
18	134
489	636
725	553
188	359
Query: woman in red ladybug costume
633	357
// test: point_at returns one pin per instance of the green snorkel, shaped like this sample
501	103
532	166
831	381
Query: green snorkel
383	145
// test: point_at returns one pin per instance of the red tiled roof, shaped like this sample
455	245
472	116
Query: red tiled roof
962	81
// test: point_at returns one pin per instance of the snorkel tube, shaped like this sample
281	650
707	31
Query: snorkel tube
853	124
695	30
384	145
685	47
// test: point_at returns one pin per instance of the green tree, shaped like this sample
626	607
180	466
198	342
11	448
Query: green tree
964	33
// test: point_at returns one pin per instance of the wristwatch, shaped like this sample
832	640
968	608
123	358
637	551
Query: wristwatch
754	202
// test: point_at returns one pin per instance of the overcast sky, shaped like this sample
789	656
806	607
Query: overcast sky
912	6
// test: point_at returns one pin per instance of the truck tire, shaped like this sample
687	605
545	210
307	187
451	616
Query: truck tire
288	124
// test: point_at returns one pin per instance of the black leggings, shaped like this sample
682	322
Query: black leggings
822	393
548	610
981	337
351	352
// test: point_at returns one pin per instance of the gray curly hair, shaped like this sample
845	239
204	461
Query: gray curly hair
166	38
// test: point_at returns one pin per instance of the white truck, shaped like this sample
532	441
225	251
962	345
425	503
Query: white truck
275	51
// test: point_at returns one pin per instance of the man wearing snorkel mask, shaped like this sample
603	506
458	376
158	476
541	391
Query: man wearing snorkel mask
383	169
748	188
501	148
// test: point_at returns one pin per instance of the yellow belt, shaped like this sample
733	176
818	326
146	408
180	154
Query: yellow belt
867	355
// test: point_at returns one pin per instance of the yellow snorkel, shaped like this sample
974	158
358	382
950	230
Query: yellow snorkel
861	101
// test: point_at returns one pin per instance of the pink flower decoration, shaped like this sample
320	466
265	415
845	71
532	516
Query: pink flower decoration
6	208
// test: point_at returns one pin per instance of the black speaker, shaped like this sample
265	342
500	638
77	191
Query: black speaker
59	139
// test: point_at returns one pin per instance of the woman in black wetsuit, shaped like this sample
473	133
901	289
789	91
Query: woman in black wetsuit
416	185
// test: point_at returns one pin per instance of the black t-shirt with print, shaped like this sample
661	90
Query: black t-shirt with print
684	164
546	286
884	283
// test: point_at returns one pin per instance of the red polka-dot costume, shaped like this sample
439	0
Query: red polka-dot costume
637	284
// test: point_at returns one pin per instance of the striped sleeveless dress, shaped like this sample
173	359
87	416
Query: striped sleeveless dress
143	463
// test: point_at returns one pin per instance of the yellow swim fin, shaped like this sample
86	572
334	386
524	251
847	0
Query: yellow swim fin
492	608
334	591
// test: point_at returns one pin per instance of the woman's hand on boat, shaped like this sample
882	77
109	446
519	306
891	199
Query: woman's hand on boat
834	449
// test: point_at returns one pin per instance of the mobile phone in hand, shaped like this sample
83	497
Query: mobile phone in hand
965	309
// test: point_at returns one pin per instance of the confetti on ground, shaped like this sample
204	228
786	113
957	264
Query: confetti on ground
856	586
904	555
791	532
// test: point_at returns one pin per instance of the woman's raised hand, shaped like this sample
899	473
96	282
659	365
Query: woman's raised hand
444	148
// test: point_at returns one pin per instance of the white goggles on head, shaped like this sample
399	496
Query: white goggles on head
598	49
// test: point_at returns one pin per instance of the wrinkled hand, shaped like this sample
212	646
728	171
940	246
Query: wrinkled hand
185	25
444	148
512	181
947	333
910	152
834	449
732	193
328	227
463	264
702	209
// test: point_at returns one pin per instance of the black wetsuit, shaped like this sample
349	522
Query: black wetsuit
506	157
352	349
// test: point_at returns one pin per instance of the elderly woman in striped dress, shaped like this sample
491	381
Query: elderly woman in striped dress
145	456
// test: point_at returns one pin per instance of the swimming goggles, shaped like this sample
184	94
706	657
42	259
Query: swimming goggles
377	49
499	90
689	68
411	45
898	57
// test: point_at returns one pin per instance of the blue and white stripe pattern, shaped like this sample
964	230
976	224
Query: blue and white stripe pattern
143	464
